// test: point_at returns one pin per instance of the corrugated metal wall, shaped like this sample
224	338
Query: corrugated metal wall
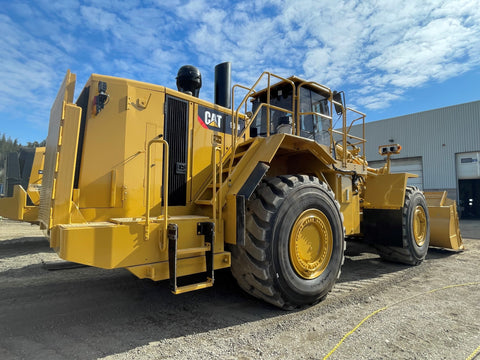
435	135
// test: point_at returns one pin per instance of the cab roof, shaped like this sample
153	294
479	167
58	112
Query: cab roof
297	81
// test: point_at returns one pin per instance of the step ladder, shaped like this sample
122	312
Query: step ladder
206	229
221	173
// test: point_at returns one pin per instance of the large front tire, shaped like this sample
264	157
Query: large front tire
294	245
415	231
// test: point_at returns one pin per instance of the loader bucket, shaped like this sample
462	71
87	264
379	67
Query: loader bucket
444	227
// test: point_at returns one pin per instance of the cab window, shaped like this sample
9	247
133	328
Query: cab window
281	97
313	126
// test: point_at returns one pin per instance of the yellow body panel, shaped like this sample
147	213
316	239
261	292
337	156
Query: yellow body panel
120	243
112	172
68	140
386	191
15	207
201	149
100	244
35	180
186	266
349	205
54	141
112	180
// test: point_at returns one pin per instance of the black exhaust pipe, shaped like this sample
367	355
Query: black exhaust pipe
223	86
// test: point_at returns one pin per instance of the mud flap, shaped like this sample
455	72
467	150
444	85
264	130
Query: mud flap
444	226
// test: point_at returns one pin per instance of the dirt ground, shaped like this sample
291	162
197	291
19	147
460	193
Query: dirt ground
88	313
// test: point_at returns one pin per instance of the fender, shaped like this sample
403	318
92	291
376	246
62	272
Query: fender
254	165
386	191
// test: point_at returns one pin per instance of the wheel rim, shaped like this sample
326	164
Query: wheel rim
311	244
419	225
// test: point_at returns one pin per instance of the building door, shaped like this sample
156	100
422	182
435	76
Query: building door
468	174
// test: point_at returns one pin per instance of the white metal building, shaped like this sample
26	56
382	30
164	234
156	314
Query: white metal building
441	146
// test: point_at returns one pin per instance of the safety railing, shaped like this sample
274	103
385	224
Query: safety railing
345	133
251	91
347	141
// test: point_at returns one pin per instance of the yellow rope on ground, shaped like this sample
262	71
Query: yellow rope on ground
396	303
475	352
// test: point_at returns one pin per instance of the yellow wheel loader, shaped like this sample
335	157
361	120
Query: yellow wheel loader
167	185
22	186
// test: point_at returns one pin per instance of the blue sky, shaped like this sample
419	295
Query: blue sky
390	57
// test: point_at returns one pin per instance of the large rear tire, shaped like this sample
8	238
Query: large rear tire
294	246
415	231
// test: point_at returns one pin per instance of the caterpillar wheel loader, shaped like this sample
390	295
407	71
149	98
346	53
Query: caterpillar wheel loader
23	181
167	185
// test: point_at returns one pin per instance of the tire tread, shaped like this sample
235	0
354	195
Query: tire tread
403	255
251	265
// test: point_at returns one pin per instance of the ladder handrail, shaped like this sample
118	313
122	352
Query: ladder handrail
216	193
157	139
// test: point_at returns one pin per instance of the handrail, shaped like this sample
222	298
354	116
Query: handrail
158	139
235	113
214	190
349	135
313	113
295	111
346	132
269	107
233	101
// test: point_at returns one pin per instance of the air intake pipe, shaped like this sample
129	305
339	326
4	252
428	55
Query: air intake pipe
189	80
223	87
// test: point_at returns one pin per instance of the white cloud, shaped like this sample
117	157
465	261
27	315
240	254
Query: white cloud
193	9
377	50
98	18
384	45
27	62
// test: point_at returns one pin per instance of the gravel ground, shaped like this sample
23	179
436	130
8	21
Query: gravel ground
89	313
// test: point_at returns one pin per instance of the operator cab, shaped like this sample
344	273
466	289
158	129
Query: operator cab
312	103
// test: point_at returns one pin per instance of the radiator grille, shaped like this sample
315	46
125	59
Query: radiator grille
176	134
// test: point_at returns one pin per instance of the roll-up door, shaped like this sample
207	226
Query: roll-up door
468	174
409	165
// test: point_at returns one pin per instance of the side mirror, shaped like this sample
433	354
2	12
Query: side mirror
339	101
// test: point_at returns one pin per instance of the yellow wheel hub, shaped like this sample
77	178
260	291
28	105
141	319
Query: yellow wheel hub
311	243
419	225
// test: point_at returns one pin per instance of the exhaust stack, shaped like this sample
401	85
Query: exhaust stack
223	87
